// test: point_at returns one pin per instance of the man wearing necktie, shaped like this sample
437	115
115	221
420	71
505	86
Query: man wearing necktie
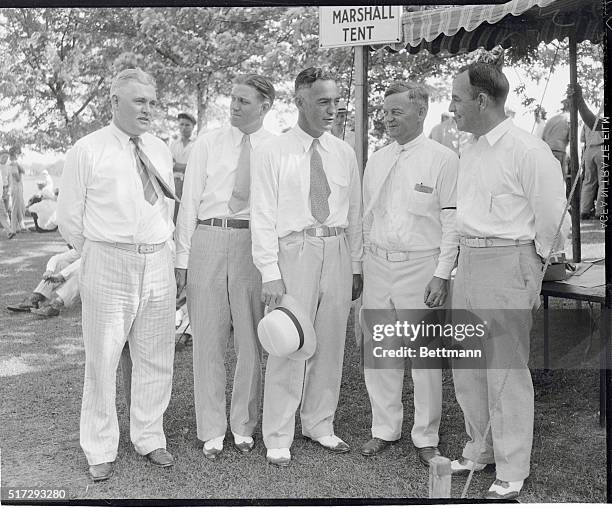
115	207
214	261
306	230
410	245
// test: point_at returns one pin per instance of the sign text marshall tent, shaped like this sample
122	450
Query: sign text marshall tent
357	26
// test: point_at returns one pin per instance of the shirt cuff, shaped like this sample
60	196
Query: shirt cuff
182	260
443	271
270	272
356	267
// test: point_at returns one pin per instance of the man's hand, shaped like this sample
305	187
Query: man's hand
272	292
357	286
436	292
180	274
57	278
47	274
574	89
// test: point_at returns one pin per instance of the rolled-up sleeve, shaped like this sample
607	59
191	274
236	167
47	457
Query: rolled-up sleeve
73	193
264	208
354	230
446	187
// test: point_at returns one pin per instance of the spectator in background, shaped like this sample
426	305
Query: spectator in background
4	170
556	136
42	208
16	173
48	181
539	115
181	148
446	132
342	126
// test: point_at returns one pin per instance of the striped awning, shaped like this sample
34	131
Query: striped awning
519	23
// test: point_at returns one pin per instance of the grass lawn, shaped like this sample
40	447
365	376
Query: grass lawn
41	376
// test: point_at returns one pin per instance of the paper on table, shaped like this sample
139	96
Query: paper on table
589	278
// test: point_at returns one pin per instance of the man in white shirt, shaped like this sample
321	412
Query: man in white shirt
214	261
181	148
510	201
307	242
410	248
115	207
5	220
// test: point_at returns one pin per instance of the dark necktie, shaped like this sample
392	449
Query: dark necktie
319	186
240	194
147	173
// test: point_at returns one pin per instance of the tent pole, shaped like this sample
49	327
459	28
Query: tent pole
575	214
361	102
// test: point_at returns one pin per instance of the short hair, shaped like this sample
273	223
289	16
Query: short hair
487	78
307	77
263	85
416	93
187	116
127	75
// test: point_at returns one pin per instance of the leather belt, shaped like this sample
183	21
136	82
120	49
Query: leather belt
226	223
399	256
140	248
491	242
324	231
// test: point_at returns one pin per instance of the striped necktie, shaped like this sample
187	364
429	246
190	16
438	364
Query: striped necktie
240	194
147	173
319	186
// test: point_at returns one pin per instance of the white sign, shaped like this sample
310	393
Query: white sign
359	26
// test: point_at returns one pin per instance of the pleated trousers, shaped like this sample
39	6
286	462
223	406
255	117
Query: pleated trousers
317	272
401	285
126	296
224	292
499	278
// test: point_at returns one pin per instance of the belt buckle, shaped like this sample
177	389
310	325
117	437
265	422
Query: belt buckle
395	257
145	249
224	223
320	231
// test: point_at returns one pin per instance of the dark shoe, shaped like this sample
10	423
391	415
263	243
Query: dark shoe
374	446
161	457
46	311
427	453
101	472
244	446
26	304
11	236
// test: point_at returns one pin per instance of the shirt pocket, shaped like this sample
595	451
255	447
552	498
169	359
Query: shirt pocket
338	183
503	207
420	203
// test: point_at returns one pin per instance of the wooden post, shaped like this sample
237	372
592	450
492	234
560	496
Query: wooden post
361	103
439	478
575	214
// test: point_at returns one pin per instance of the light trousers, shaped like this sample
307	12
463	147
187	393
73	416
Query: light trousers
499	278
224	291
591	184
126	296
68	290
401	285
317	273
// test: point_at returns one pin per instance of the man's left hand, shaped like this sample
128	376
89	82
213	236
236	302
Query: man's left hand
357	286
436	292
58	278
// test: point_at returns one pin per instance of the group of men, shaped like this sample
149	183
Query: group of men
263	218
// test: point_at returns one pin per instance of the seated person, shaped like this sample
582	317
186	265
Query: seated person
43	211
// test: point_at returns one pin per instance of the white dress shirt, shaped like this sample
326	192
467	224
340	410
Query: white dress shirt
409	198
209	181
101	197
280	195
510	186
181	152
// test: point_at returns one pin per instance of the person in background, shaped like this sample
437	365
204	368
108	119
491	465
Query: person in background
43	211
539	118
446	132
59	286
181	148
16	173
556	136
4	172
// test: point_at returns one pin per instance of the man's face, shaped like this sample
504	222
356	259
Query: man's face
247	108
317	106
185	128
464	107
133	107
3	158
403	118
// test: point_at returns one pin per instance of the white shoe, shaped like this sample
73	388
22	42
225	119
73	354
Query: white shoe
504	490
333	443
213	447
243	444
278	456
464	466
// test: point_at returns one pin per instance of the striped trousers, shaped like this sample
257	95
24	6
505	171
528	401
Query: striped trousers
126	296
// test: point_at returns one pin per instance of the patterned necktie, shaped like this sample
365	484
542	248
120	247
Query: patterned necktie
319	187
240	194
147	173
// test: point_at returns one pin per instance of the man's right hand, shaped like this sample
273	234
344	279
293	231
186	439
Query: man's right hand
272	292
180	274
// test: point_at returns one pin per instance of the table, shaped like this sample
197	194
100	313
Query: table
595	295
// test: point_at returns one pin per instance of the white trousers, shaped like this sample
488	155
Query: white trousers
317	273
126	296
401	285
68	290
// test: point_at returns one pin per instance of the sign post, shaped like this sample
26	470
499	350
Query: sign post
360	26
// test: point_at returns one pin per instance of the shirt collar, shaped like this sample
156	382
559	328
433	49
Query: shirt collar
123	137
497	132
255	137
406	146
306	139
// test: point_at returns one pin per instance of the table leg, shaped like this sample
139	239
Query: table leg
603	365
